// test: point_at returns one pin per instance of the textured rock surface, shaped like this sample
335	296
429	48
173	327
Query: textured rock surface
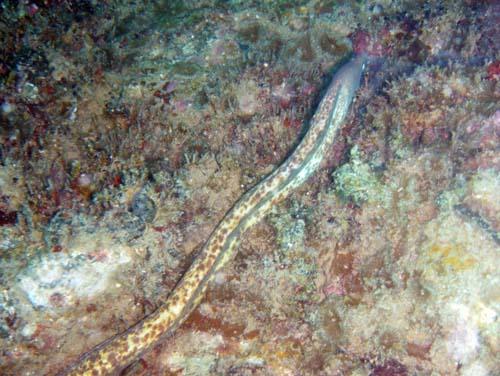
129	128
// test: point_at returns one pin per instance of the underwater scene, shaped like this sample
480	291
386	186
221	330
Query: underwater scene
274	187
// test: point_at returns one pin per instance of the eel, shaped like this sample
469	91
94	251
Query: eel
118	352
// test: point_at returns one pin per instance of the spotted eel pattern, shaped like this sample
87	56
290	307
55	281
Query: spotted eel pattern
116	353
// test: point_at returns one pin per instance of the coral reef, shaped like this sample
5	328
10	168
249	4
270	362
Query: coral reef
129	128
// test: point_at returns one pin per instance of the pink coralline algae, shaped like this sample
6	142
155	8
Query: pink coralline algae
485	134
373	46
493	70
284	95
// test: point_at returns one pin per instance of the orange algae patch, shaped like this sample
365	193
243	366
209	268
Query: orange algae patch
452	256
197	321
285	353
252	334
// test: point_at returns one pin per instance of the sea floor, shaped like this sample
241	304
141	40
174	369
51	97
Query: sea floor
129	128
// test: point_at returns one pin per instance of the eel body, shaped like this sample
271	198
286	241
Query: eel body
116	353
